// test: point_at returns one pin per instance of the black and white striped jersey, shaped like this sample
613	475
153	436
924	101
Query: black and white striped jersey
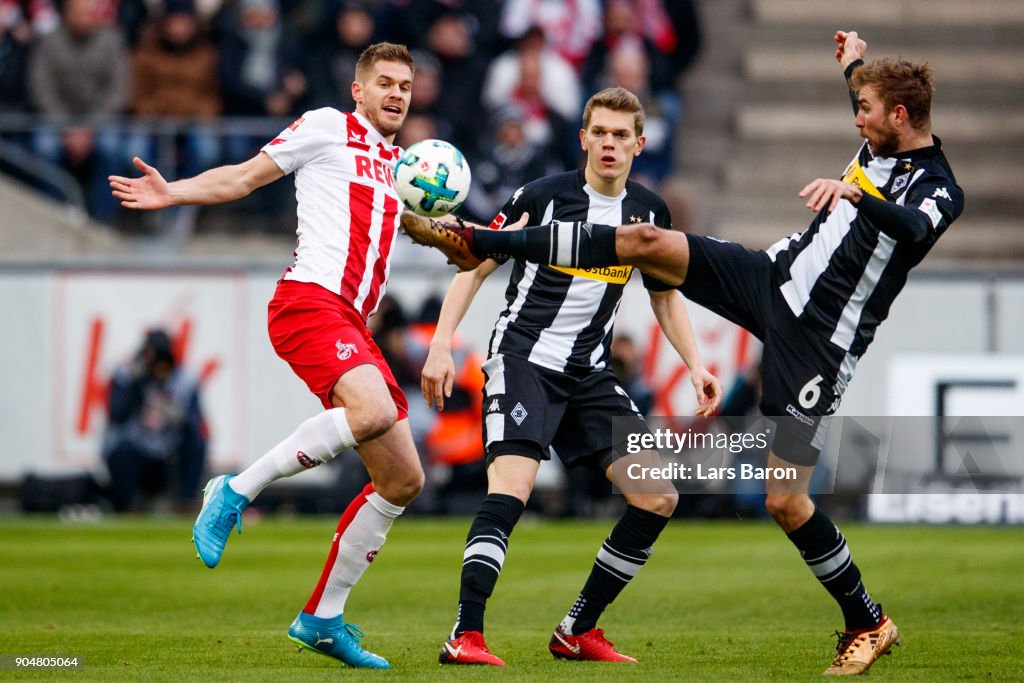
561	318
841	274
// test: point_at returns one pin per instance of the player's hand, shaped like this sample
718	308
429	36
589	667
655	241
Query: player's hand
849	47
828	191
709	391
148	192
437	377
523	221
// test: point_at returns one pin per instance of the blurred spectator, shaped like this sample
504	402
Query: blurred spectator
175	75
681	198
426	97
628	66
452	446
260	69
79	80
683	43
624	28
570	28
21	24
155	439
505	161
335	53
418	127
626	363
536	78
451	38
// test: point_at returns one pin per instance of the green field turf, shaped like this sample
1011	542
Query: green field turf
718	601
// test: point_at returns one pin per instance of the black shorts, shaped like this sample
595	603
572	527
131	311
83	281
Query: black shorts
528	408
803	374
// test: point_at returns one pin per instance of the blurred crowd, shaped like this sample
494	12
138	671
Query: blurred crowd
504	80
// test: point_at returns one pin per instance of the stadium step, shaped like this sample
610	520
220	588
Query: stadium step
871	13
811	124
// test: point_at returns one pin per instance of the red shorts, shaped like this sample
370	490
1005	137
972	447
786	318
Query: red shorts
321	336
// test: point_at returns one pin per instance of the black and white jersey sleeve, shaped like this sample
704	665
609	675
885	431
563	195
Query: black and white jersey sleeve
841	275
561	318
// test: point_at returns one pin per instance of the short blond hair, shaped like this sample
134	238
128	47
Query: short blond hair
900	82
383	52
616	99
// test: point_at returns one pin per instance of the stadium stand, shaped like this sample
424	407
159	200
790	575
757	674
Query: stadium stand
767	97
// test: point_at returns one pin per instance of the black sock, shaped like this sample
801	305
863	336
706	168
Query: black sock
570	244
486	545
624	553
824	550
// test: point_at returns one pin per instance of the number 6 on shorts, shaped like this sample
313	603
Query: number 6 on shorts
810	392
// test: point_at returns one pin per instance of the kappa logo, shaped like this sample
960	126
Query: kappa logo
495	406
942	193
575	649
519	413
345	351
798	415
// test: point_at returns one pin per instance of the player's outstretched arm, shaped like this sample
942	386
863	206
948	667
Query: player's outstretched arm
438	375
849	47
218	185
671	313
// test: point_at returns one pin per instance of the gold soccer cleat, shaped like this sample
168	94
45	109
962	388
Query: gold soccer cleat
857	651
453	239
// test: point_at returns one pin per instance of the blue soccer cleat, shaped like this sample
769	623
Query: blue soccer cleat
334	638
221	512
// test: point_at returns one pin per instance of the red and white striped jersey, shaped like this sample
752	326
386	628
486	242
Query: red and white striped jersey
348	210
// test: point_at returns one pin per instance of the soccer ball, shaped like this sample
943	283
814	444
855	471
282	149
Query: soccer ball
432	178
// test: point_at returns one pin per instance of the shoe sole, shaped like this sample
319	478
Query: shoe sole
306	646
441	659
573	658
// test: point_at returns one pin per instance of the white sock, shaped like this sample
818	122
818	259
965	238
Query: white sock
316	441
361	533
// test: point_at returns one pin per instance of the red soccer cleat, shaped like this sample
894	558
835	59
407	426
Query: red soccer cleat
591	646
469	648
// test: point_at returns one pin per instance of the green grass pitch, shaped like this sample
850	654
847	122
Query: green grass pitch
718	601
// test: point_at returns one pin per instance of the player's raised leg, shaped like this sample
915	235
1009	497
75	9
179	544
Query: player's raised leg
316	441
622	555
868	632
510	481
663	254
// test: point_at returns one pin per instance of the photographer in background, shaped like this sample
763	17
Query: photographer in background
155	439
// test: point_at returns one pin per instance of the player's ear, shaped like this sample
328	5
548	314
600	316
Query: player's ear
900	115
583	139
640	142
357	92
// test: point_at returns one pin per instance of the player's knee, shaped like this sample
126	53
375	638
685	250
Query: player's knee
372	417
401	488
663	504
786	509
